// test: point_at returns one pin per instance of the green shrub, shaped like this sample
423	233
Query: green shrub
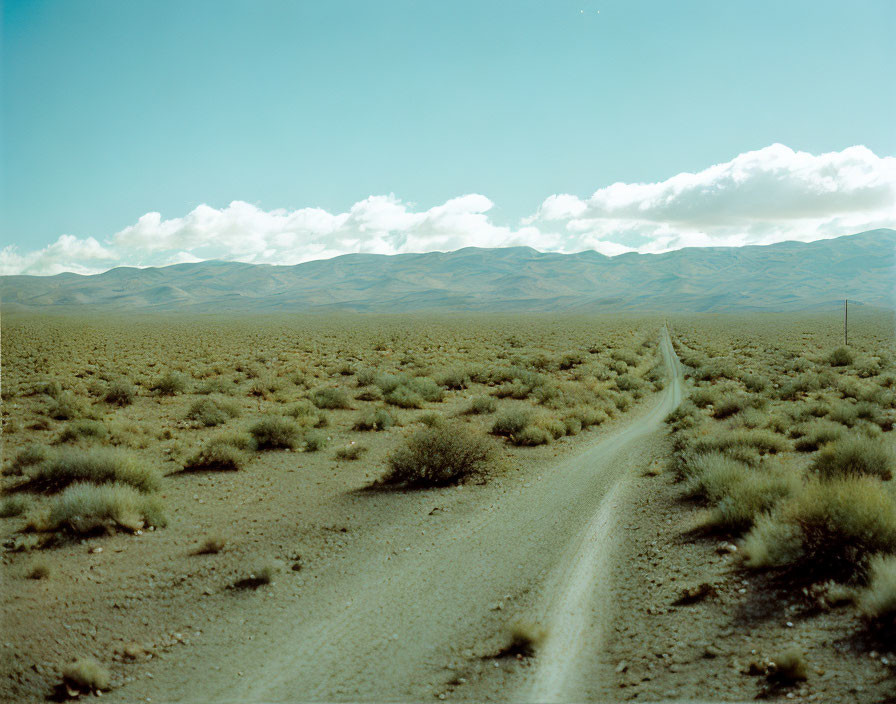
14	506
365	377
854	455
729	441
455	379
95	465
572	425
31	455
841	357
265	386
351	452
426	388
374	419
573	359
211	412
739	497
387	383
274	433
729	405
878	600
217	455
404	397
120	392
628	356
84	429
448	454
844	413
370	393
315	440
65	406
85	508
215	385
511	422
50	387
626	382
431	420
307	415
169	384
827	529
816	434
589	416
481	405
531	435
330	398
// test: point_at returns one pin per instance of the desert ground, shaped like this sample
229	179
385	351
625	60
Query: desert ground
482	507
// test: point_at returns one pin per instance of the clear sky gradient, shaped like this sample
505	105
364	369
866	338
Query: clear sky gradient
113	109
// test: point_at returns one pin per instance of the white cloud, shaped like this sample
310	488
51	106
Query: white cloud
758	197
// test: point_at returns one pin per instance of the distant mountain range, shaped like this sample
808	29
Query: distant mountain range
789	276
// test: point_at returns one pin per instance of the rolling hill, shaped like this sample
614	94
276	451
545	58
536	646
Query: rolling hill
788	276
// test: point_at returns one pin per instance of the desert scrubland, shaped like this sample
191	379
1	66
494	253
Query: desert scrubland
372	507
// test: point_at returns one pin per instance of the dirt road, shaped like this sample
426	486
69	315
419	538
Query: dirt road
418	604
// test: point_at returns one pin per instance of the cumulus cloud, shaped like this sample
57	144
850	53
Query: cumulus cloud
758	197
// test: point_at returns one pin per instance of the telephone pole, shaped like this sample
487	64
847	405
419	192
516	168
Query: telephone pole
846	322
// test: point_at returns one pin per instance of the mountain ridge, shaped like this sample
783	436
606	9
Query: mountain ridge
786	276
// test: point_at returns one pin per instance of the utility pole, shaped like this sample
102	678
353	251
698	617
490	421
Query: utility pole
846	322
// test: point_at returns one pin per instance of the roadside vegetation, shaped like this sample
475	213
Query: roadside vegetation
784	445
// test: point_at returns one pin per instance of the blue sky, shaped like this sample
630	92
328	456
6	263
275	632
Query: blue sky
112	110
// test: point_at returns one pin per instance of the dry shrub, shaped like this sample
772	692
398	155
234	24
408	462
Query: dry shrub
816	434
481	405
169	384
84	430
212	411
86	508
216	455
531	436
96	465
85	676
446	454
350	453
14	506
827	529
212	545
788	668
120	392
878	600
374	419
737	493
854	455
315	440
331	398
511	422
275	433
841	357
